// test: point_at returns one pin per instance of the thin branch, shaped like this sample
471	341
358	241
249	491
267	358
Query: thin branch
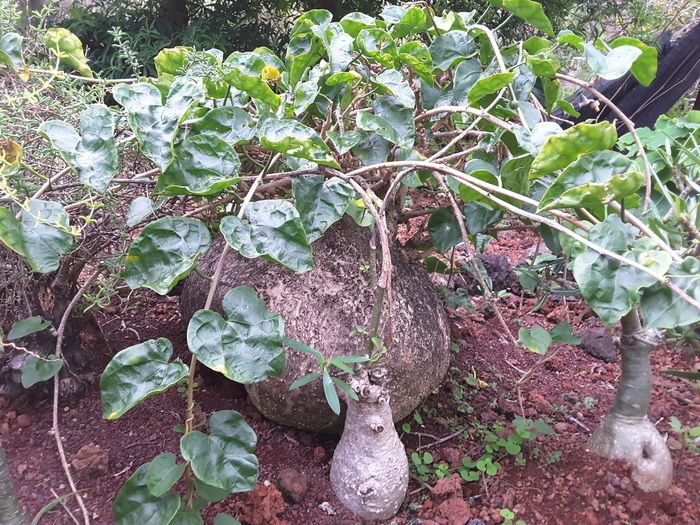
56	387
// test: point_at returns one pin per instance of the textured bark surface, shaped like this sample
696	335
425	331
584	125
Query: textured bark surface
321	307
369	472
626	432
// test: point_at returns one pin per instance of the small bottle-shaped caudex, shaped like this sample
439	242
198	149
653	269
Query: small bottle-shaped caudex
369	473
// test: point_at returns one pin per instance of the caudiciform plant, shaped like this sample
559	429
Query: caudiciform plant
269	152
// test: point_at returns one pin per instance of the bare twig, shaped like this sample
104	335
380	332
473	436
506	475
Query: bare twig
56	388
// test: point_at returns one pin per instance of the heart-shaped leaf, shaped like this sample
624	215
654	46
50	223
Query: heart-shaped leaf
531	12
645	66
37	369
41	235
391	120
224	458
165	252
490	85
247	346
163	472
153	122
295	139
273	229
593	179
68	48
662	308
11	51
94	154
611	288
560	150
136	373
615	63
231	124
536	340
320	203
377	45
451	48
135	505
202	165
25	327
392	81
444	230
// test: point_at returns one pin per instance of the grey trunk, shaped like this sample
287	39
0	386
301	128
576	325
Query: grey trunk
626	433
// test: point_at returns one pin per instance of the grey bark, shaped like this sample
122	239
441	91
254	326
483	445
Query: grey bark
321	307
10	510
626	432
369	472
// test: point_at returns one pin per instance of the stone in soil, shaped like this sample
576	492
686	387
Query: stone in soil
447	488
91	460
599	343
293	484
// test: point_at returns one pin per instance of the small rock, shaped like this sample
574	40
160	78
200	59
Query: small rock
489	416
634	505
4	429
454	511
10	415
326	507
23	421
610	490
21	468
626	484
453	456
90	460
507	406
571	398
320	455
539	401
446	488
293	484
600	344
561	427
476	521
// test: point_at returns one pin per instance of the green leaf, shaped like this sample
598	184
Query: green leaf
139	209
543	65
615	63
208	492
27	326
94	155
173	60
202	165
391	120
414	20
479	169
562	334
610	288
225	519
297	140
231	124
378	46
490	85
320	203
306	92
644	67
155	124
593	179
11	51
11	232
567	36
136	373
302	53
416	55
478	216
444	230
244	71
372	149
165	252
330	393
135	505
355	22
68	48
451	48
661	308
393	82
560	150
344	77
531	12
273	229
247	346
345	141
224	458
187	517
567	107
535	44
162	473
310	19
43	234
36	369
536	340
304	380
685	374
